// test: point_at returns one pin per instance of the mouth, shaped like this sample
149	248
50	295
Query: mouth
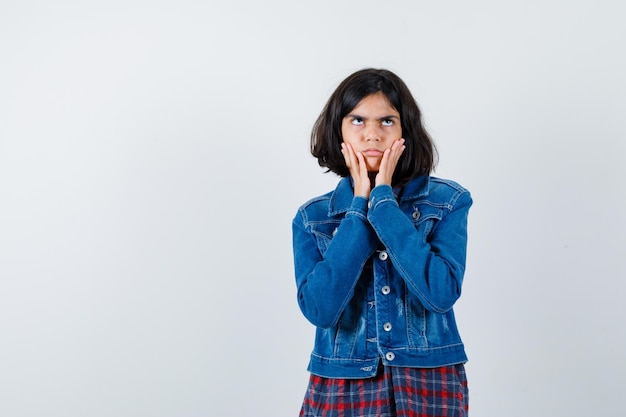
373	152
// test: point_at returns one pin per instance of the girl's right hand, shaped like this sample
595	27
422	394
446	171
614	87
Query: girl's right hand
358	170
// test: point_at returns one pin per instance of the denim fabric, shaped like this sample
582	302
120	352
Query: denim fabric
379	277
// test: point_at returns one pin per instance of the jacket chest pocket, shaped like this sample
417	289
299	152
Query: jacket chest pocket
425	217
324	232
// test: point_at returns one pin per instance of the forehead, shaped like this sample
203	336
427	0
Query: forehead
376	103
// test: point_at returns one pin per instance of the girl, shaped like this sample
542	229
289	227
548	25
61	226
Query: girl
379	261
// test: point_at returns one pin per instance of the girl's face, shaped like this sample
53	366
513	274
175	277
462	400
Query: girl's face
371	127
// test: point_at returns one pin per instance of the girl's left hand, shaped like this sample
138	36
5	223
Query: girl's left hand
388	163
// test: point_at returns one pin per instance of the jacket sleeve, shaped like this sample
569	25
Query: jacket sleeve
432	268
325	282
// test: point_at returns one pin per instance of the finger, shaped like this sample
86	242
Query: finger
348	155
389	161
385	162
397	148
355	162
362	165
361	178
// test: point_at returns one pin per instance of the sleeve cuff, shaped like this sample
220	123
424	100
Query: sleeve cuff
381	194
359	206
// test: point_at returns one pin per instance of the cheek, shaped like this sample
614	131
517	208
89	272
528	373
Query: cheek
392	135
347	136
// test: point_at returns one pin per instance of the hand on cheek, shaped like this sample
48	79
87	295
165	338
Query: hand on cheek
358	170
389	162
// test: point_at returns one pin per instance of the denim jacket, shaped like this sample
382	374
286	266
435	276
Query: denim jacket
379	277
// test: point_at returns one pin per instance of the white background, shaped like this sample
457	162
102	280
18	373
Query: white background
153	154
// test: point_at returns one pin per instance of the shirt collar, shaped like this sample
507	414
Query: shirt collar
342	196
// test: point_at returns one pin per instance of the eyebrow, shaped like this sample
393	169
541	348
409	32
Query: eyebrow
356	116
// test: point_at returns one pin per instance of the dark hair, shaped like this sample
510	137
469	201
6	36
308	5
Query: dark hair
420	155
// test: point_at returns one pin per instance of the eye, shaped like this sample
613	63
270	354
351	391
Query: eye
387	122
357	121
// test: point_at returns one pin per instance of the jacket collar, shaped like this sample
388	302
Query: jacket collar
341	198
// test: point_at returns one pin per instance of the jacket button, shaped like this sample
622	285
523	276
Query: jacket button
387	327
335	231
416	214
390	356
383	255
385	290
369	204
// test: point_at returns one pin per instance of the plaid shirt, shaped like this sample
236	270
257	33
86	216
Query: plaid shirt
394	391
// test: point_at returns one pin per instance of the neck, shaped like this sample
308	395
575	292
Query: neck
372	175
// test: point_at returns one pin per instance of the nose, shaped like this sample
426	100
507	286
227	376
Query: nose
372	133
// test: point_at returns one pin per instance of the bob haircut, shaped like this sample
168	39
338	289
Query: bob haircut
419	157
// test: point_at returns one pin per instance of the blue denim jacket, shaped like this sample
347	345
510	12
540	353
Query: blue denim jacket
379	278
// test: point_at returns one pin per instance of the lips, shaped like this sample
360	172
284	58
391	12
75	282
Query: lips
372	152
